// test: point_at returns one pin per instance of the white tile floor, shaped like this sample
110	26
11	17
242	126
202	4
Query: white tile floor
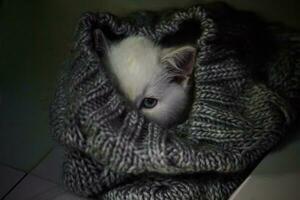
8	179
34	188
276	177
42	183
50	168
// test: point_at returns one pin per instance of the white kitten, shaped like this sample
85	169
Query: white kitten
156	80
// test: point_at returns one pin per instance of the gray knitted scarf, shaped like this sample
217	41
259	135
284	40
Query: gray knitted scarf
246	87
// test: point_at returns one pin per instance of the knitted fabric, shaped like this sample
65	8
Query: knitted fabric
246	81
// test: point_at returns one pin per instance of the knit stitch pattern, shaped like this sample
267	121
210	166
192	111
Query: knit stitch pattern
246	83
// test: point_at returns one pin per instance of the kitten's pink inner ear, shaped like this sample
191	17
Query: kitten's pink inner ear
181	59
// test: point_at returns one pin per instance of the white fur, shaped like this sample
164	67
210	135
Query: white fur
136	63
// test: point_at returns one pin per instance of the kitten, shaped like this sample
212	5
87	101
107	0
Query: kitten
156	80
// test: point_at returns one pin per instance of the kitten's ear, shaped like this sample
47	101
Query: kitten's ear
180	60
101	43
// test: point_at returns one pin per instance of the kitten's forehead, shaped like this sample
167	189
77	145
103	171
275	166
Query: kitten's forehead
135	61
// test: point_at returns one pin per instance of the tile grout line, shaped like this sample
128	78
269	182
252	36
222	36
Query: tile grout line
41	160
44	179
38	176
15	185
28	173
32	168
25	174
12	167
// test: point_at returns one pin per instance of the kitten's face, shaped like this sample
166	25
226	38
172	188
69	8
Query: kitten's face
159	97
155	80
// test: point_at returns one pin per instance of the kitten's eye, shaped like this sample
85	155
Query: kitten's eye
149	103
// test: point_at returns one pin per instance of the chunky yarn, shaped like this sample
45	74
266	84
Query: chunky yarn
246	87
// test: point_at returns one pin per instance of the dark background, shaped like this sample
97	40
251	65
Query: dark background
35	39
